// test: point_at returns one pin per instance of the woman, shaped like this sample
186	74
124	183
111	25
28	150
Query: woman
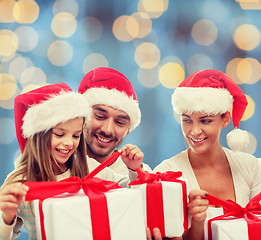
203	101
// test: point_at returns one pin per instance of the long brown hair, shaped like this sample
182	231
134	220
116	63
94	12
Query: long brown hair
36	161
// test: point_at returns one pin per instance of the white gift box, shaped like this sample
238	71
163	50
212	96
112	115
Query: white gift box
174	210
68	216
230	229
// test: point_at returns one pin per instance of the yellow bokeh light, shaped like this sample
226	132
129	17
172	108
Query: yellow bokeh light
132	26
31	87
8	43
250	4
60	53
64	25
149	77
250	110
8	86
171	75
32	75
119	28
144	24
246	37
93	61
244	70
6	11
154	8
26	11
204	32
147	55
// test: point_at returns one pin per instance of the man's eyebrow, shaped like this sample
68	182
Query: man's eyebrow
100	109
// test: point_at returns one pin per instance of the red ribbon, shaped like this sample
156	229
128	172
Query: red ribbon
93	187
235	210
155	212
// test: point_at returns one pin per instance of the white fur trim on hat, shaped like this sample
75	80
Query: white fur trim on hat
57	109
202	99
238	140
115	99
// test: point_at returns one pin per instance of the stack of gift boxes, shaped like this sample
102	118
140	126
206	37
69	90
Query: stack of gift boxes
92	208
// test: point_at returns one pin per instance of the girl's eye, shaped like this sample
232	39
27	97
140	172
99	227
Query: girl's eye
58	135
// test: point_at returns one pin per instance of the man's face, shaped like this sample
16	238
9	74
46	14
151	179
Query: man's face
106	131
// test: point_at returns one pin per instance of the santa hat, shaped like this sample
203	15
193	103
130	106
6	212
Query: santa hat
41	109
213	92
109	87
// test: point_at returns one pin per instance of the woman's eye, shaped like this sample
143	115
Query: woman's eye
76	136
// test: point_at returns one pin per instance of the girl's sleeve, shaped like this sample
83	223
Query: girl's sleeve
6	231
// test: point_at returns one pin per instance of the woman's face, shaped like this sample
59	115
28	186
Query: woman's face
202	131
64	141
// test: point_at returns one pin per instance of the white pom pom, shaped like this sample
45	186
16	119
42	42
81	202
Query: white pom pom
238	140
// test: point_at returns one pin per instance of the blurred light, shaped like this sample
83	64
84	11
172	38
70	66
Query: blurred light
221	10
149	77
32	86
6	11
18	65
251	148
250	109
154	8
198	62
8	43
89	29
250	4
246	70
144	24
45	38
70	6
28	38
247	37
120	30
8	86
204	32
26	11
64	25
32	75
147	55
7	130
60	53
171	75
94	60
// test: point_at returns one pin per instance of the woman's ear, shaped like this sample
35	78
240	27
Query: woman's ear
226	119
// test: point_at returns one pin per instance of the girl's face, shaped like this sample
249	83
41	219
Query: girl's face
64	141
202	131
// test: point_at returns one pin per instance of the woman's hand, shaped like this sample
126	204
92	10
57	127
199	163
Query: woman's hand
197	208
132	156
10	199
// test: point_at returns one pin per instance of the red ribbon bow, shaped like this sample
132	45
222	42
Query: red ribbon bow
233	209
154	199
146	177
93	187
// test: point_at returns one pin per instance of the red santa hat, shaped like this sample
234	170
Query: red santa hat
41	109
213	92
109	87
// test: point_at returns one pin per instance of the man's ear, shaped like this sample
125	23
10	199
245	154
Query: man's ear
226	118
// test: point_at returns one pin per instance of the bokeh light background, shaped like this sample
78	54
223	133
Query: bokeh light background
154	43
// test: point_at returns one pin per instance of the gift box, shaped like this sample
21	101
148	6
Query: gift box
70	216
88	208
237	223
165	201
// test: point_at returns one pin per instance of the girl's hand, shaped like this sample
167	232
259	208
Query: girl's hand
132	156
10	199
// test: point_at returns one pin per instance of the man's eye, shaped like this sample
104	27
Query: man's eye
206	121
99	116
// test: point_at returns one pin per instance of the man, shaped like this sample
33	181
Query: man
115	113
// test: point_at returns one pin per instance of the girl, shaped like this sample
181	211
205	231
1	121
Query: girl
203	101
49	126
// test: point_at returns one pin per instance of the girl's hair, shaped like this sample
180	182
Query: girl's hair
36	161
